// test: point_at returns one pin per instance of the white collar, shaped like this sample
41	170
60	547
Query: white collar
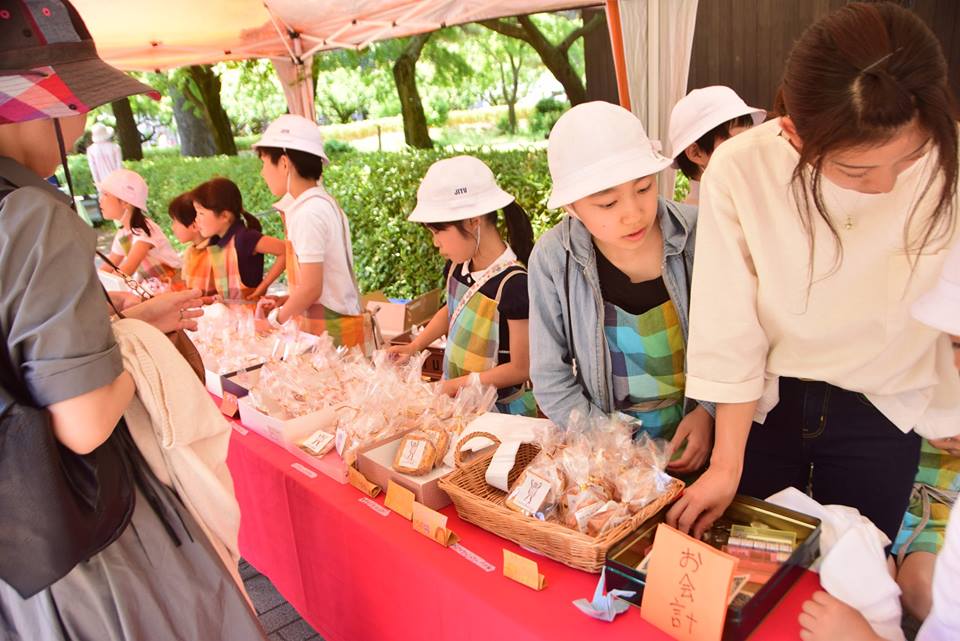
507	256
317	190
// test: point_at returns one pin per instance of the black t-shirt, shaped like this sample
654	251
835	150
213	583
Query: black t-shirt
633	298
249	262
514	301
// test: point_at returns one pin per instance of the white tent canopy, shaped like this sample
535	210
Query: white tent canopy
148	35
145	35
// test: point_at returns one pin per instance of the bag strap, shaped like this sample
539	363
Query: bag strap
491	271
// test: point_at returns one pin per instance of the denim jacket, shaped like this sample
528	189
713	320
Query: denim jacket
563	277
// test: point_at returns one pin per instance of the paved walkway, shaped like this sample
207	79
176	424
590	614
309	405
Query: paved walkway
280	621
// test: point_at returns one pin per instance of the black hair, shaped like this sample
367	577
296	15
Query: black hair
138	221
307	165
181	209
221	195
708	142
519	229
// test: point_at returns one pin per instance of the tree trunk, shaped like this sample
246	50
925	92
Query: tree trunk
554	57
415	129
195	136
207	84
128	136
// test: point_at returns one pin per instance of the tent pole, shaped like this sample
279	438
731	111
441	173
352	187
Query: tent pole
616	45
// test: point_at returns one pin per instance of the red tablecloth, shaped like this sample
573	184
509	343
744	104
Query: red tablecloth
355	575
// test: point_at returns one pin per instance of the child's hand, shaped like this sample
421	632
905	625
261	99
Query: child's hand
451	386
826	618
401	353
256	294
696	429
949	445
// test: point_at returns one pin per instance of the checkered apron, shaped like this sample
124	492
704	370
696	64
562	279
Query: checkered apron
345	330
225	269
473	334
647	352
150	267
196	272
934	493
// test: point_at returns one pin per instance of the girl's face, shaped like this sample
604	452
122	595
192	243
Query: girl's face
210	223
112	207
621	216
185	233
875	169
454	245
275	175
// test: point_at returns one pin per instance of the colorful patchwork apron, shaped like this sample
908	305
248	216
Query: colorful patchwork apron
196	272
473	335
150	267
934	493
345	330
647	353
225	269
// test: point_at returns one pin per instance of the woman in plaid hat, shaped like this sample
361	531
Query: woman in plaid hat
146	570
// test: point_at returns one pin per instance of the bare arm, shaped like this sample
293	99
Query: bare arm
137	253
305	294
114	258
277	247
84	422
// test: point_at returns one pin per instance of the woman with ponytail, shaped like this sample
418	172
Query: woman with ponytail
818	231
485	318
236	245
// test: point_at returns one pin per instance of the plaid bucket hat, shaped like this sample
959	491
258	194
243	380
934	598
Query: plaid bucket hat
49	66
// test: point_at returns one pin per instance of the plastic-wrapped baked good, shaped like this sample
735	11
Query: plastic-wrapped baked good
539	488
416	455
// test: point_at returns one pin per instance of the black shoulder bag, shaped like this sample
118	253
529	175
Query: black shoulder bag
57	508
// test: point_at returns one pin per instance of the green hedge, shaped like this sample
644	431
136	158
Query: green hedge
377	190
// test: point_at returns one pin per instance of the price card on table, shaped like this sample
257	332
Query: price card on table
687	586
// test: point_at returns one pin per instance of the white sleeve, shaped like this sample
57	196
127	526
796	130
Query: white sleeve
116	247
311	231
727	351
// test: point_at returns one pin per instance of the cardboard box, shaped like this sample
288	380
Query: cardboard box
396	318
217	383
433	365
376	463
289	433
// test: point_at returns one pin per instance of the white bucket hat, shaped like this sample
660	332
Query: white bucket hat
703	109
458	188
294	132
596	146
126	185
940	307
101	133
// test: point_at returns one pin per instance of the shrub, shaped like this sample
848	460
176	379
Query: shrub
545	114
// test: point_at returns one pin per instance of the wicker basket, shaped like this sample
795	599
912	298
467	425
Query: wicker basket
481	504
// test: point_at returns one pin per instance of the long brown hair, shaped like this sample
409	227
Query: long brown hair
222	195
854	78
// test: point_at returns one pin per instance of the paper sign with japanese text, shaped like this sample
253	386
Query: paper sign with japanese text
359	481
523	570
400	499
432	525
687	586
228	406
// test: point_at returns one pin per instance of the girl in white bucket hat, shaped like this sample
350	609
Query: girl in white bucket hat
487	310
609	285
699	122
140	248
324	296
